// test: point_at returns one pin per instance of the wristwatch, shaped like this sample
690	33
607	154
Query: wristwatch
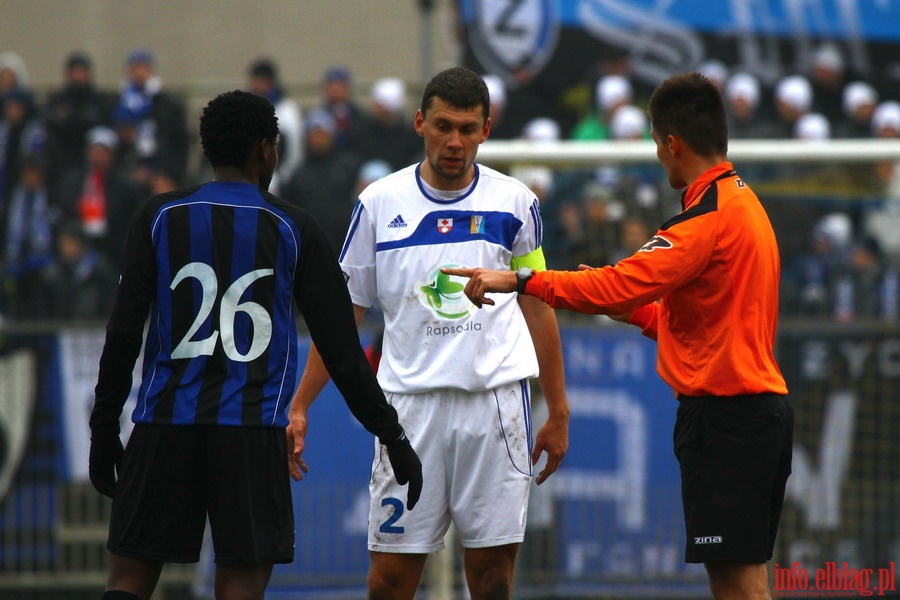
522	277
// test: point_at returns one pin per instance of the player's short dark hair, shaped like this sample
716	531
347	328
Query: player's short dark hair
690	107
232	123
458	87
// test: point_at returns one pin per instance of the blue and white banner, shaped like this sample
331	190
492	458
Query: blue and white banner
550	53
518	38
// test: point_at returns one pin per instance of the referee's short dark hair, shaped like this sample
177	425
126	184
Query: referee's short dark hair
232	123
689	106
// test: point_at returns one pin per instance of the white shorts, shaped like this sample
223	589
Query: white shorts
475	450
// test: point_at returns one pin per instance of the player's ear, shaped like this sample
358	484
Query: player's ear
265	147
486	129
673	143
419	122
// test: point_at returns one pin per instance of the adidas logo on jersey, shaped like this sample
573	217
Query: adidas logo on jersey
397	222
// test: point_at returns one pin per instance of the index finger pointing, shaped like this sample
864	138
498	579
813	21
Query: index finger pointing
458	271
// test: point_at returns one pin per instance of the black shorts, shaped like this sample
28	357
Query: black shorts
735	458
173	477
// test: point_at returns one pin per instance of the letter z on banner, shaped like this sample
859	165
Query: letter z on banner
509	36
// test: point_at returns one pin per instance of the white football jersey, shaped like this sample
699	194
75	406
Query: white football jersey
400	235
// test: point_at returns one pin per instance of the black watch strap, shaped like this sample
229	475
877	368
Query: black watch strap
522	277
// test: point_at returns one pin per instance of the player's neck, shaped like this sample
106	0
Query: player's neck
697	165
445	184
233	174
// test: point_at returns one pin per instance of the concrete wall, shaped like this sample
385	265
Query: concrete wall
205	46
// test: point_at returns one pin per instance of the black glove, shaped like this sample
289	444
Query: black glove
407	468
106	453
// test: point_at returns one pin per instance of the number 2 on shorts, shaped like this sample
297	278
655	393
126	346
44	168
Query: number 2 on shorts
388	526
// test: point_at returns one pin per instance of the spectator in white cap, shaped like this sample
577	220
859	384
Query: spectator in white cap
612	91
793	99
389	95
859	100
541	129
628	123
538	178
714	70
388	133
808	281
826	76
103	136
886	124
370	172
100	193
812	127
886	120
742	95
501	127
496	90
635	185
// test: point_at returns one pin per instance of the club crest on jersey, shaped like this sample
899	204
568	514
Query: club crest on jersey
444	225
657	241
477	224
740	183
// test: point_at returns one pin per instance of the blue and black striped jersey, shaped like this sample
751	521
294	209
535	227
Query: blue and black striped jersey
220	270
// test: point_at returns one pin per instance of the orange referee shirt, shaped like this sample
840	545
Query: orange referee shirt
714	270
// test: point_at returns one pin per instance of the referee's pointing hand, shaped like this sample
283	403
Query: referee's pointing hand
482	281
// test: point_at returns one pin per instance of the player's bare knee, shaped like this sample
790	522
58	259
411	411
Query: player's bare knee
493	583
393	586
491	588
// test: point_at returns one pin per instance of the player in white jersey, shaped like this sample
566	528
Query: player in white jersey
457	376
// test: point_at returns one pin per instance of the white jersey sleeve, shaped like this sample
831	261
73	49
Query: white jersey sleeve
358	257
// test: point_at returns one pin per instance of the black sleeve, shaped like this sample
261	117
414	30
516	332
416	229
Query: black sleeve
323	299
125	328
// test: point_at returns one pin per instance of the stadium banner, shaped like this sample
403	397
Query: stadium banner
843	496
550	53
608	522
79	366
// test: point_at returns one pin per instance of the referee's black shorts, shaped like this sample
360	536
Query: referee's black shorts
735	458
172	477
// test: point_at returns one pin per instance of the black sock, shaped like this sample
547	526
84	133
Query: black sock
119	595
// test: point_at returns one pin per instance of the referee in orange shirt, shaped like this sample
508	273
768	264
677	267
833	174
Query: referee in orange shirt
706	288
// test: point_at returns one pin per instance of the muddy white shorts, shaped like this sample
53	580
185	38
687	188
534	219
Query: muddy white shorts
475	450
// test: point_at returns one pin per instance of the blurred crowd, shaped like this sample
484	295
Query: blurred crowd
77	161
